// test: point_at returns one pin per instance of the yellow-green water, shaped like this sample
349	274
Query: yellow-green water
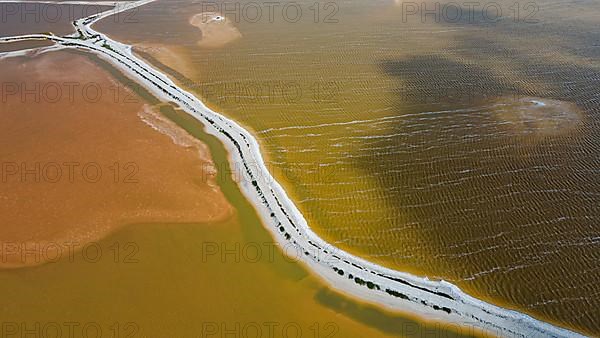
188	280
406	140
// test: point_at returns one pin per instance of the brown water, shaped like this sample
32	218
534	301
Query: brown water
28	18
167	267
463	149
79	160
22	45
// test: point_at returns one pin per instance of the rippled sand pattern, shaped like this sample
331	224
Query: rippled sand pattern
464	150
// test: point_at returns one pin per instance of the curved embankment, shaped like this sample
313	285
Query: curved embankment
352	275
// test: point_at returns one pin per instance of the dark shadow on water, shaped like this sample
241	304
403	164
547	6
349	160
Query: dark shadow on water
436	82
389	323
469	184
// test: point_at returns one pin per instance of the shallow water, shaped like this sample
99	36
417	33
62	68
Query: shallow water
22	45
423	145
159	278
78	155
17	18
